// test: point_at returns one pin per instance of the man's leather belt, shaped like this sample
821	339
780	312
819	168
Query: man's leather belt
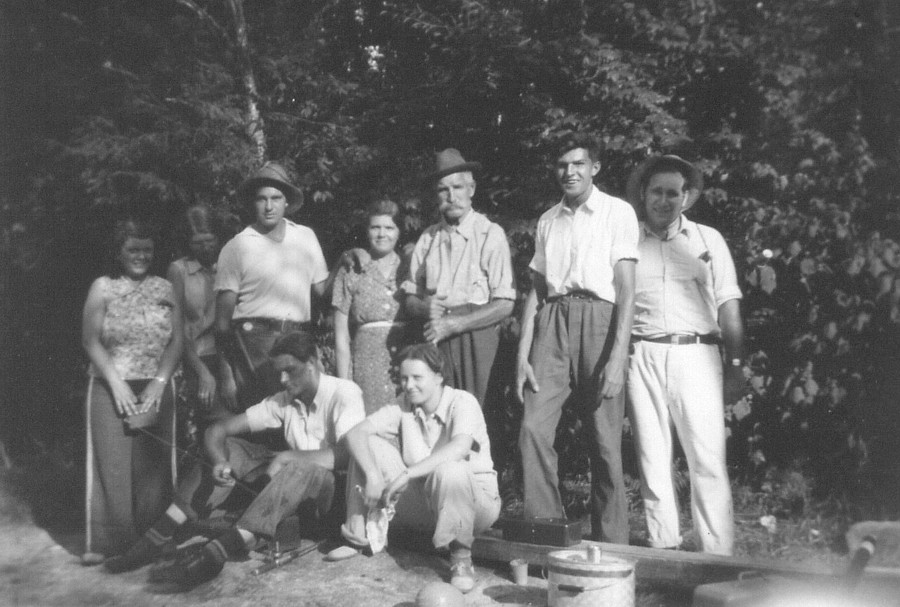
577	294
274	324
676	339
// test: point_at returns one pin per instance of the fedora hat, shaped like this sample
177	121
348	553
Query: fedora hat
450	161
274	175
668	163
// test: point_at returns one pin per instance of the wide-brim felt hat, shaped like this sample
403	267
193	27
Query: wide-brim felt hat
274	175
658	164
450	161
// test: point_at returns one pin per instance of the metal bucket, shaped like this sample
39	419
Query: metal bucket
578	578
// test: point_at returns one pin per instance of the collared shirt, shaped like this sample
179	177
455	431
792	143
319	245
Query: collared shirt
337	407
681	281
198	303
272	279
420	434
577	250
468	263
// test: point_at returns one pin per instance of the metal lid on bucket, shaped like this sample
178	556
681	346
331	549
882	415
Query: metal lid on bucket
588	563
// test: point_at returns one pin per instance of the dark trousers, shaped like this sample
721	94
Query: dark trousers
253	371
471	356
571	346
199	497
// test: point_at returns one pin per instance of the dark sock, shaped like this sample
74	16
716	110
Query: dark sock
162	531
459	552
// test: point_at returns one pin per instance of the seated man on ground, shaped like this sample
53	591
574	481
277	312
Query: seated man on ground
441	479
314	411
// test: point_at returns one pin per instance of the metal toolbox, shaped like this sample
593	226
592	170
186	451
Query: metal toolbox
542	531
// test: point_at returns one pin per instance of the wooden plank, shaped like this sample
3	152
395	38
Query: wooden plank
685	569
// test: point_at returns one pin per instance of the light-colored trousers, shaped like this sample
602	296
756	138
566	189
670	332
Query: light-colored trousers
453	501
681	386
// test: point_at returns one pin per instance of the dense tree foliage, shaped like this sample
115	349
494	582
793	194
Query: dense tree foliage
125	106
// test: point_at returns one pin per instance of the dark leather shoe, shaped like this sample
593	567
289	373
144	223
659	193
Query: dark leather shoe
142	552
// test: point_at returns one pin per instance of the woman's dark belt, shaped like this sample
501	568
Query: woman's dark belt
576	294
677	339
274	324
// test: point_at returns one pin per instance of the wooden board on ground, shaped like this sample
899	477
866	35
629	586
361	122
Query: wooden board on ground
685	569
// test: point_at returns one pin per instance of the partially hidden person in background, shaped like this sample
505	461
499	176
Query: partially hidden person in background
192	278
687	304
461	283
132	333
369	325
440	480
313	412
576	325
266	279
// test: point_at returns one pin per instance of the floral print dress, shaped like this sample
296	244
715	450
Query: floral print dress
371	300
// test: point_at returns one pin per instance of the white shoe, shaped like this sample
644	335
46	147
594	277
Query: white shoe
342	553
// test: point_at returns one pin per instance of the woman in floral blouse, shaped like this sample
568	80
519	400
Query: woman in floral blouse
132	333
368	327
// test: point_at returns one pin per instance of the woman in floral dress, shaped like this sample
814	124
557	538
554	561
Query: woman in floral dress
132	333
368	327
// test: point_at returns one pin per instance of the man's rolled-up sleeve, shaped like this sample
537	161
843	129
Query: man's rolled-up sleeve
625	237
265	415
349	411
498	262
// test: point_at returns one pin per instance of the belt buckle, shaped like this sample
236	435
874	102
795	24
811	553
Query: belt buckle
674	339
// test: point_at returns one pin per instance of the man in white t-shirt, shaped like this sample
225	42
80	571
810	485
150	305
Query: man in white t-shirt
267	277
314	411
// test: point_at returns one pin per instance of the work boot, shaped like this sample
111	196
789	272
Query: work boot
462	575
191	569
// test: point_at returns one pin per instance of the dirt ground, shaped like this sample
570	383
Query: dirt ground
41	568
41	542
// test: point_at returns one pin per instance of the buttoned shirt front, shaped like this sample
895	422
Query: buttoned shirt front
577	250
466	264
682	280
337	407
420	434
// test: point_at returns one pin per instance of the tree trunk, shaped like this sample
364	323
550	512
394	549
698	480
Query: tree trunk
255	127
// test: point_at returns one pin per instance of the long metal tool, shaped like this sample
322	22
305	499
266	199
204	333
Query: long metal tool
283	558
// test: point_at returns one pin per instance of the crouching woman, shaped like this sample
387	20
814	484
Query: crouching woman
441	479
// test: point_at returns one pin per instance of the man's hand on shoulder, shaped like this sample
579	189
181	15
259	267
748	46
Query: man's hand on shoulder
354	259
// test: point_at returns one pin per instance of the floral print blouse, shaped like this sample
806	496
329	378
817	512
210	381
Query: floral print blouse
137	324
